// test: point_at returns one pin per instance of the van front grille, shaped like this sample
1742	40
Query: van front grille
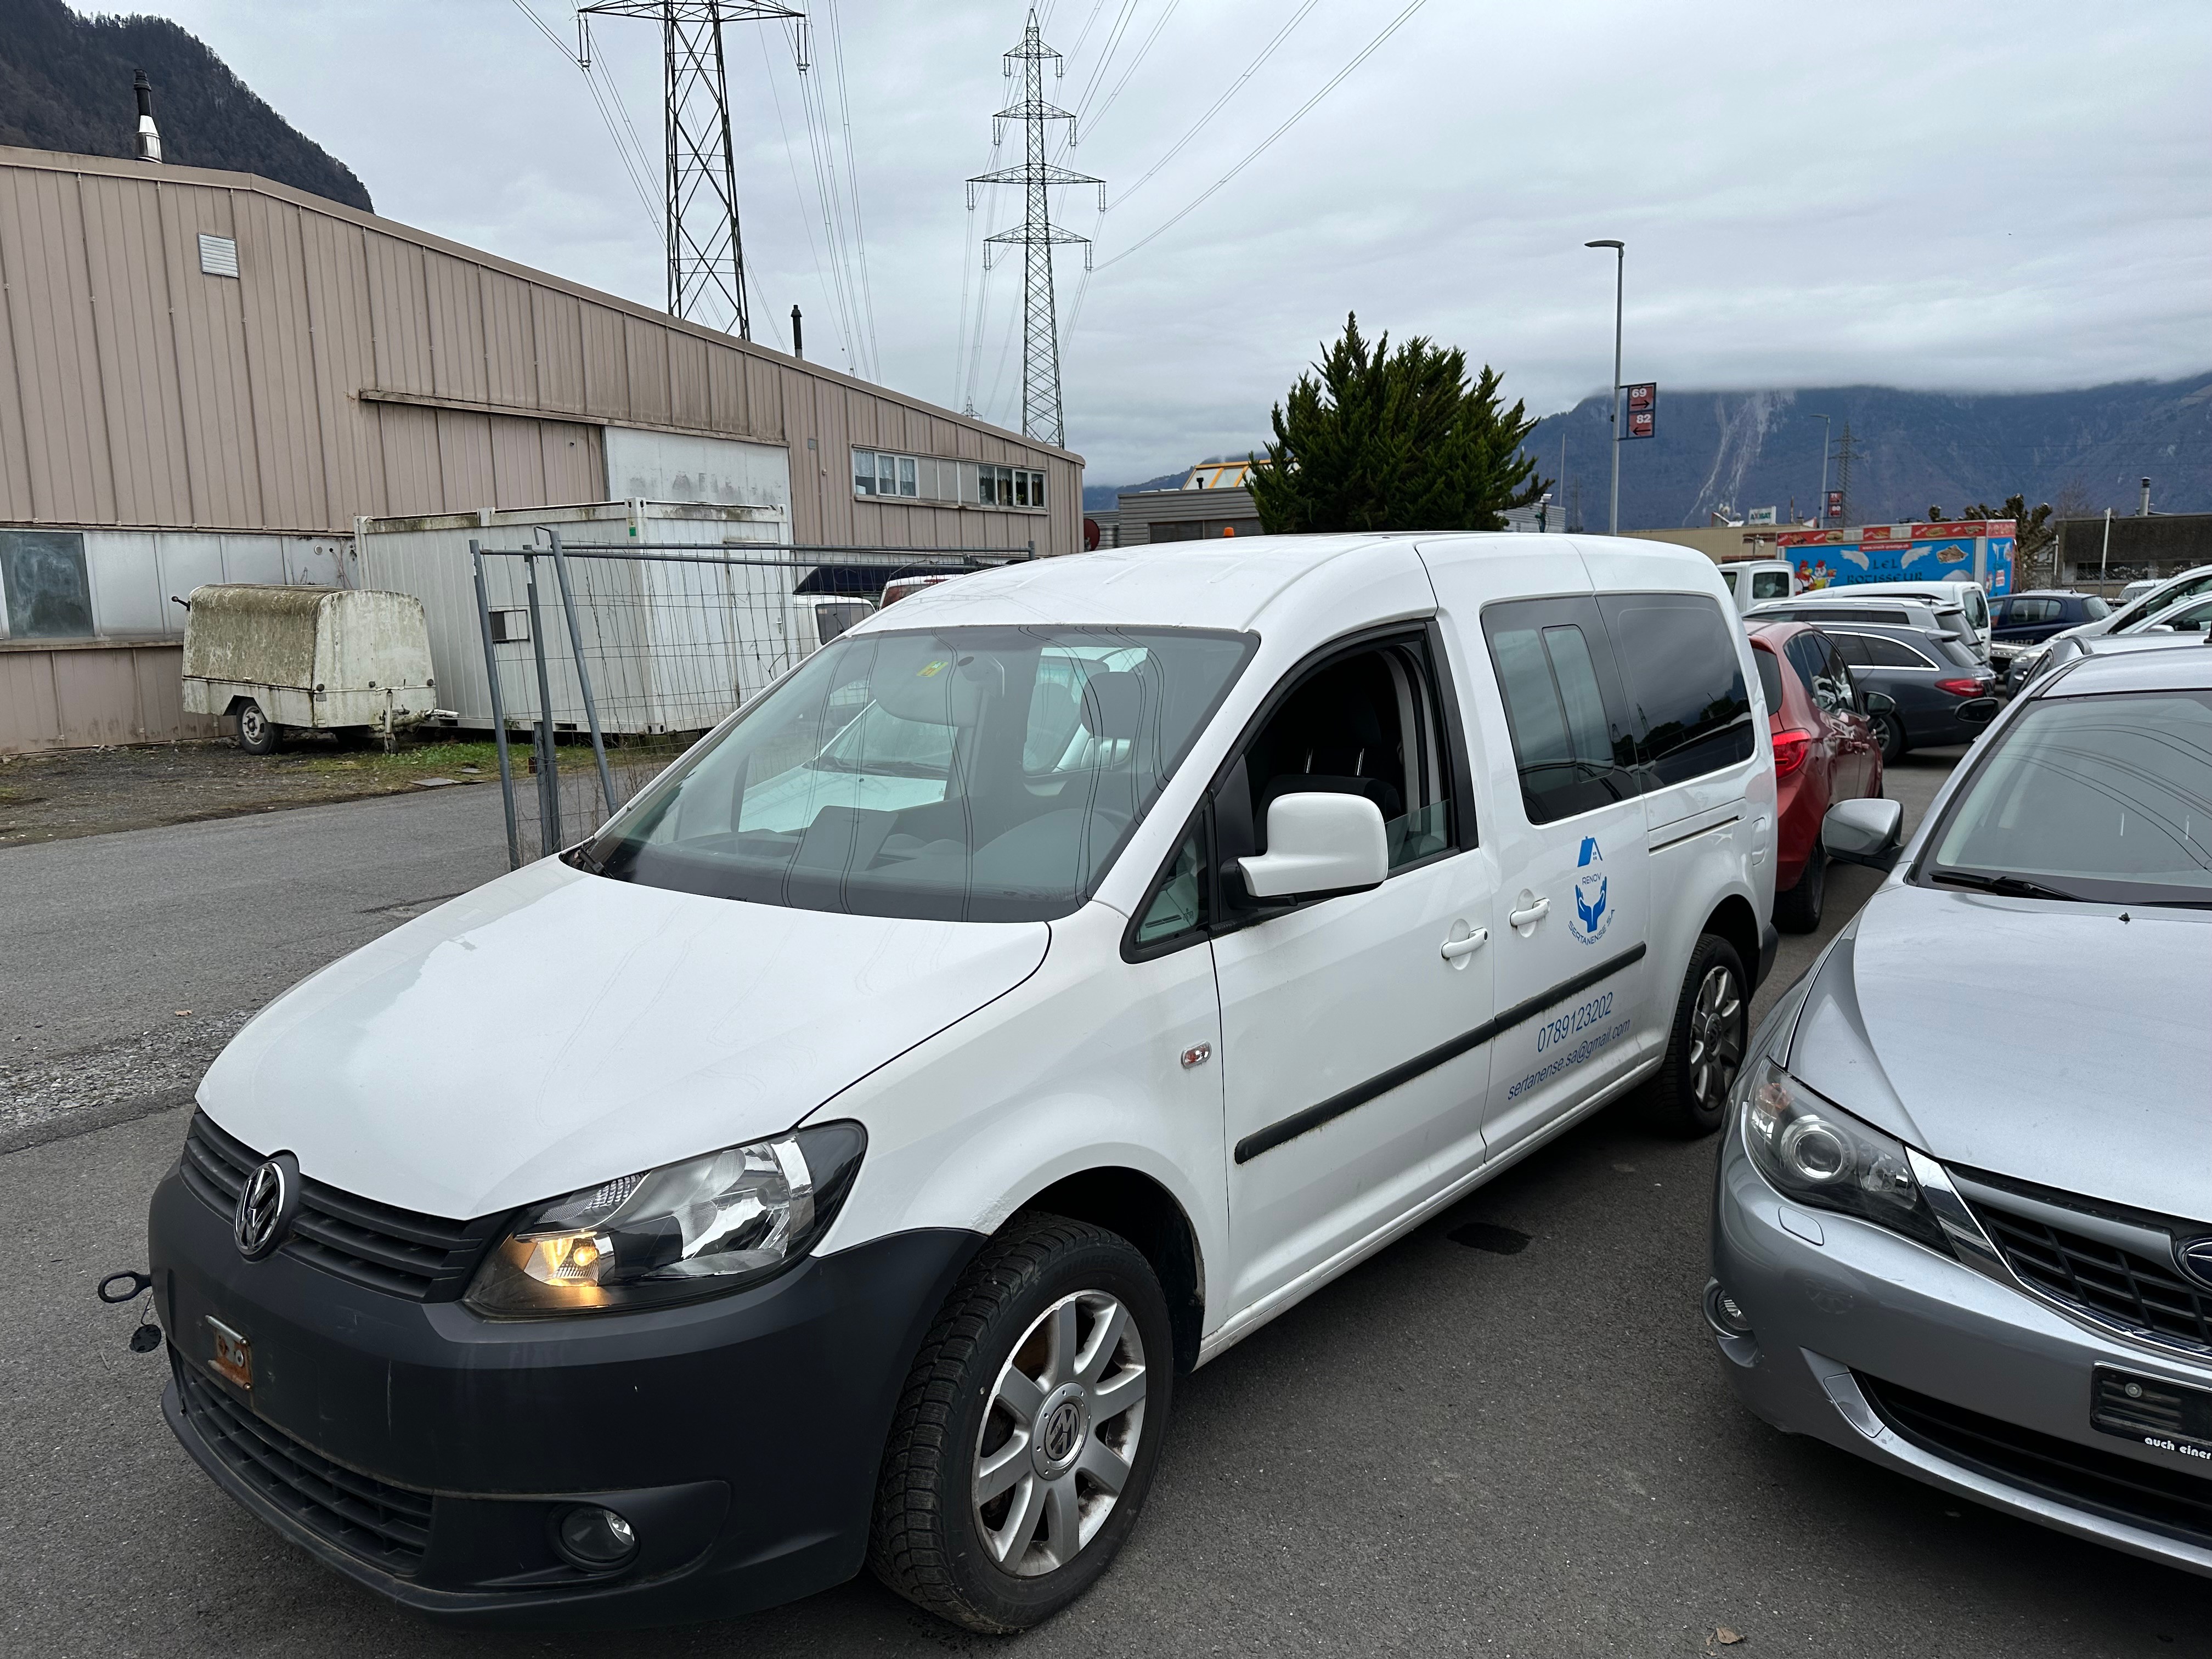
424	1258
384	1525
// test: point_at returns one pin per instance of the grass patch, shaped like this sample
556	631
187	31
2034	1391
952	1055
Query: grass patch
432	760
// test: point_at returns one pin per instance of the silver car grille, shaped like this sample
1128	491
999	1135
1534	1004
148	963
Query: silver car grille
2114	1264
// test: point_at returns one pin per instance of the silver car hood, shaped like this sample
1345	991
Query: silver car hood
2055	1044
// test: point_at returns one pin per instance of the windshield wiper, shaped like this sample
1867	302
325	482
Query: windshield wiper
2010	886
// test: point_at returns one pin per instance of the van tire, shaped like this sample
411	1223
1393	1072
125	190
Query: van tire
1689	1096
1797	908
257	733
929	1538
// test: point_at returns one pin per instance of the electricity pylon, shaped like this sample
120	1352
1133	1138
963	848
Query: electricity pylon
706	252
1038	236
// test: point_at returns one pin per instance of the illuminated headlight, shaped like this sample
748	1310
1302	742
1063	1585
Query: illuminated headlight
698	1228
1814	1152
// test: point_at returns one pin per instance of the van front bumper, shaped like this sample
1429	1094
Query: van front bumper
429	1453
1904	1357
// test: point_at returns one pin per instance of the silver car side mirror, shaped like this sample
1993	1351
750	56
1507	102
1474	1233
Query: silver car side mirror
1320	844
1864	832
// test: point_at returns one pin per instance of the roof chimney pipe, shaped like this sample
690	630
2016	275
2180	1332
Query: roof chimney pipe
150	136
798	336
2144	511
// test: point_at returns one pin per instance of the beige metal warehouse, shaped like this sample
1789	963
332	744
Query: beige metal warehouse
208	376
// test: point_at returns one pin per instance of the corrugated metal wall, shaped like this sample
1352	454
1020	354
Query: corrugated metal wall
355	367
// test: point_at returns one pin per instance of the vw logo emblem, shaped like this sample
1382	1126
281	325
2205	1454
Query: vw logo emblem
1063	1427
2195	1259
265	1207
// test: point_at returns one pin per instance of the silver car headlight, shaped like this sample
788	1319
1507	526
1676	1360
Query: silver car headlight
702	1227
1815	1153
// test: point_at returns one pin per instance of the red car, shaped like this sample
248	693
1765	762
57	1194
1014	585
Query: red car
1825	751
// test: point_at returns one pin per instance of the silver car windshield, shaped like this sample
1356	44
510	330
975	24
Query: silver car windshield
966	774
2106	799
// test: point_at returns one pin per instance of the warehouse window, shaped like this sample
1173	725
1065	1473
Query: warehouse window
875	473
42	572
1009	486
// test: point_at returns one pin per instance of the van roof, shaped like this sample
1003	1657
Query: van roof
1233	582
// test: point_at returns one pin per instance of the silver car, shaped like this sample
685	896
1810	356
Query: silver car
1987	1263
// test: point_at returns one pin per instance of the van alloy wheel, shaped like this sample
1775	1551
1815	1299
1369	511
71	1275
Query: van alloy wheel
1705	1038
1715	1037
1055	1449
1029	1429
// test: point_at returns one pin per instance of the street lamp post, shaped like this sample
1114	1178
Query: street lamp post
1613	409
1820	501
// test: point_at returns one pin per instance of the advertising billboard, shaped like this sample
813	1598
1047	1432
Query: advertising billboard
1974	550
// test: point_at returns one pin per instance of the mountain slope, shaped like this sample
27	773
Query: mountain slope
66	85
1915	450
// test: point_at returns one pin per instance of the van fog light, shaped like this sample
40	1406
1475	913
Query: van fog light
595	1539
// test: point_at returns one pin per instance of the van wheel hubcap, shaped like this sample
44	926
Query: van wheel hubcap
251	724
1060	1438
1715	1037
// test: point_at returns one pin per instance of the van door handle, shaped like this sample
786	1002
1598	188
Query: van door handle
1534	912
1454	949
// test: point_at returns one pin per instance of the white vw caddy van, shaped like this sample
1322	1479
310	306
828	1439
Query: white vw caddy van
1053	979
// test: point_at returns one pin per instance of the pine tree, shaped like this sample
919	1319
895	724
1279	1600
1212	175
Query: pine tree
1383	439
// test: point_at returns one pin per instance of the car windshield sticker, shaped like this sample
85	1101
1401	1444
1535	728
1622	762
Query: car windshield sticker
1593	909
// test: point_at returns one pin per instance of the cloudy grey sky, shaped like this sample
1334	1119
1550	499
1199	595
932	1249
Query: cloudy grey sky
1978	194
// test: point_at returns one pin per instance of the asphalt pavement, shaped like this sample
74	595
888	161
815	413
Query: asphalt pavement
1450	1451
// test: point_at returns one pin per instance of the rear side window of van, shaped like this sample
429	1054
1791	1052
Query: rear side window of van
1690	711
1567	741
1769	585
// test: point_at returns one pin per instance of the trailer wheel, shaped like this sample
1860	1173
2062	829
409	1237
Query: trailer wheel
257	734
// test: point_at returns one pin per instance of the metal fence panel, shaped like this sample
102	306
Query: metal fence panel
605	661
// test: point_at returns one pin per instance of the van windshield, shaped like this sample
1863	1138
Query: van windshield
962	775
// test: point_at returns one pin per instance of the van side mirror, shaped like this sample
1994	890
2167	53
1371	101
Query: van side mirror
1864	832
1877	703
1320	844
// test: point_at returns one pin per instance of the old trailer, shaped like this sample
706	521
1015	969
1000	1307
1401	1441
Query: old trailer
273	659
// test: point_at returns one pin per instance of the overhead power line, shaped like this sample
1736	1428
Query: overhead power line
1220	103
1267	143
1134	65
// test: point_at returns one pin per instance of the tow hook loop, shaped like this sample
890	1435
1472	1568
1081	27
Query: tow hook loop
134	1284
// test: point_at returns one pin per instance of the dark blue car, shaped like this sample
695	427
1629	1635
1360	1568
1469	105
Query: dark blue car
2020	620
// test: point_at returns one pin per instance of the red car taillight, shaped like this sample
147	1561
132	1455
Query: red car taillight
1790	748
1961	688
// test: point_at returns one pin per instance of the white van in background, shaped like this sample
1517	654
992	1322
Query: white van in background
1755	582
1059	974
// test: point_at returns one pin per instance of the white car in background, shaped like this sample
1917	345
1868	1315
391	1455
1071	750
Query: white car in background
2131	618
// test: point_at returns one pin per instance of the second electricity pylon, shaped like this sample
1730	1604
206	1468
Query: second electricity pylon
706	254
1041	411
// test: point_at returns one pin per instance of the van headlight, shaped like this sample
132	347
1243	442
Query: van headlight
684	1231
1814	1152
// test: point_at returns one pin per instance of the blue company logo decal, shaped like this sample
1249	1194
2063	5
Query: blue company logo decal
1593	895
